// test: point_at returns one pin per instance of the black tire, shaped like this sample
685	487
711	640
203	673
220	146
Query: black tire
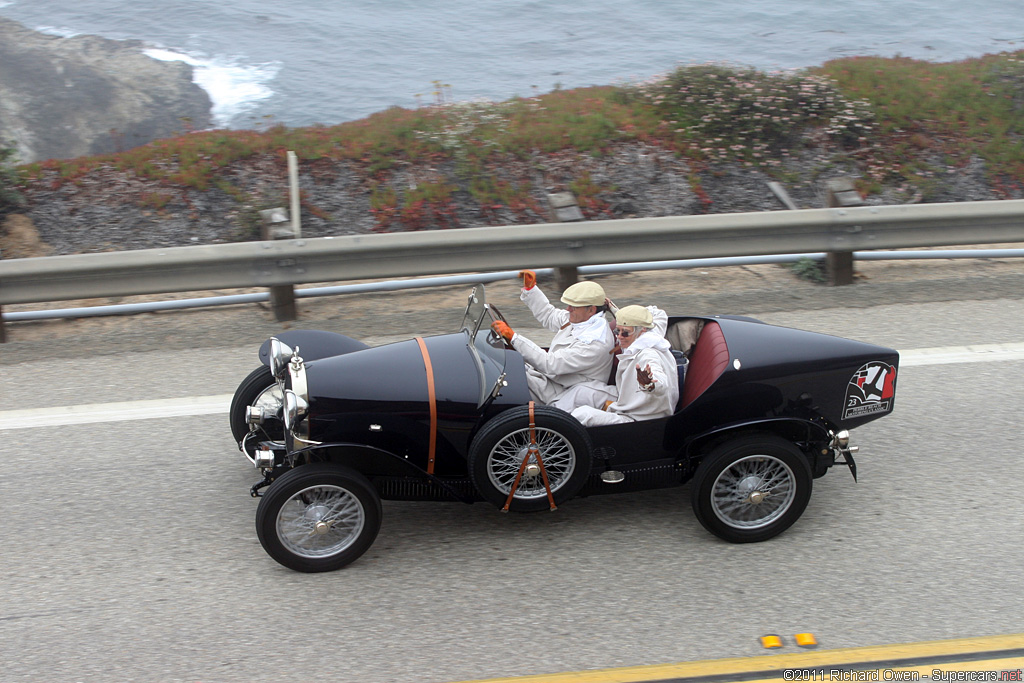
299	503
249	392
726	485
500	446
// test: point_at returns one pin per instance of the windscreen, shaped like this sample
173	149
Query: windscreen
486	347
476	309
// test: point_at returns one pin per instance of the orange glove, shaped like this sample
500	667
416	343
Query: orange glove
502	329
529	278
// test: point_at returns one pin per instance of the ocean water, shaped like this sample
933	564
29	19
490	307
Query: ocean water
300	62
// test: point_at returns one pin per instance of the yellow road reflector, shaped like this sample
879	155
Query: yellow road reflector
771	640
806	640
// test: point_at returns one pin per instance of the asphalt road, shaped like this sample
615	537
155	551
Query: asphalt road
129	551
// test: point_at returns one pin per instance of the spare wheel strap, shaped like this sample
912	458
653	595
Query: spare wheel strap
532	450
432	398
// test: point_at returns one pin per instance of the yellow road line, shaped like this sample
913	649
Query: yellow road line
899	674
872	658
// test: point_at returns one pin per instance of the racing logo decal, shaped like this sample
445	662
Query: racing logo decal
871	390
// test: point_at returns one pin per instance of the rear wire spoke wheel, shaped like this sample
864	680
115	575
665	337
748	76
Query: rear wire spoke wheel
318	518
498	450
751	488
259	388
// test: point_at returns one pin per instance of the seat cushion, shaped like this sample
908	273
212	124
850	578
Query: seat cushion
708	361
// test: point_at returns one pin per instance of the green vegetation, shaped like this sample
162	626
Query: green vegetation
10	197
896	119
808	269
951	111
723	113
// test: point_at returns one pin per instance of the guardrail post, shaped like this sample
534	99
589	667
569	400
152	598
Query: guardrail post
282	297
565	209
840	192
3	332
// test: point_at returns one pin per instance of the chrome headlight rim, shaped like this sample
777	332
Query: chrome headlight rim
295	409
280	355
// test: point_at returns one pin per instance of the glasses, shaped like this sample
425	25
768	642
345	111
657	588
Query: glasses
624	332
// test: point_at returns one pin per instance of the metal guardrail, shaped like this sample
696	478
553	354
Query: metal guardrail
299	261
448	280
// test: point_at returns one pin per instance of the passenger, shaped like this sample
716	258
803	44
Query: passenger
582	347
646	380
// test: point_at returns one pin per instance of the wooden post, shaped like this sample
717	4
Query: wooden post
566	277
282	297
840	192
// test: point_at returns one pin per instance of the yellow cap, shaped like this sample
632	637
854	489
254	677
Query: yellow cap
584	294
634	316
771	640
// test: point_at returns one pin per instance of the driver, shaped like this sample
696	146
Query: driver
582	347
646	380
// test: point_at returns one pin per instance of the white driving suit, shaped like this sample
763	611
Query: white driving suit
578	351
632	402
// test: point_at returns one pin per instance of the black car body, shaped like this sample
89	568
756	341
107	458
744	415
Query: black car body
335	426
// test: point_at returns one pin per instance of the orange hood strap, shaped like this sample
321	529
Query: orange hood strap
432	397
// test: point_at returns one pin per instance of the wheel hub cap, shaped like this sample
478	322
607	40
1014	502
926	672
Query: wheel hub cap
316	515
748	488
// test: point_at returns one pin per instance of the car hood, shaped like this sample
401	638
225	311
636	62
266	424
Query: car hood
396	373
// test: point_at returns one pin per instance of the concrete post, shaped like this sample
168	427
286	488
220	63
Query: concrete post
282	297
840	192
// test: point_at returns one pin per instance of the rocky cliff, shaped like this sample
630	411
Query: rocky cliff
70	97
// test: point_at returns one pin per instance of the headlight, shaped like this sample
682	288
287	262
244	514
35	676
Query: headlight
280	354
295	408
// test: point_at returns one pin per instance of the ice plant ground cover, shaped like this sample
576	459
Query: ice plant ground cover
895	120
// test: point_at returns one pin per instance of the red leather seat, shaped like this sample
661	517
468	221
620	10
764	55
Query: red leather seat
708	361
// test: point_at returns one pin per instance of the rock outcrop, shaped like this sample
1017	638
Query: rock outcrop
71	97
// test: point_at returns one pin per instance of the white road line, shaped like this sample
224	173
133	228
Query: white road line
976	353
114	412
210	405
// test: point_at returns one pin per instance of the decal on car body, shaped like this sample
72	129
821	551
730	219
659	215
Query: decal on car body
871	390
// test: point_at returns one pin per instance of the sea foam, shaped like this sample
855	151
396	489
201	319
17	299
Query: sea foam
234	88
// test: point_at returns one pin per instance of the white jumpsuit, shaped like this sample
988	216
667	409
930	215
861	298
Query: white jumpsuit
632	403
598	392
578	352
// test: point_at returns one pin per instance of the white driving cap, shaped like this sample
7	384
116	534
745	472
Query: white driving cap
584	294
634	316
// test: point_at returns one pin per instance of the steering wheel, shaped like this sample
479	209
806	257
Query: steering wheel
496	316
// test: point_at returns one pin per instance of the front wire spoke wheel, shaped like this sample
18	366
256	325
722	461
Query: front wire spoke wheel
318	517
327	524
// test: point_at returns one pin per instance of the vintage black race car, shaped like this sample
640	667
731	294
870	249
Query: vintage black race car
763	410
